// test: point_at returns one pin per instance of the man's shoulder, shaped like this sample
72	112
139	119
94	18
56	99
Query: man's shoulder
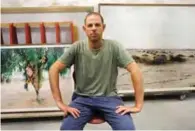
111	42
80	42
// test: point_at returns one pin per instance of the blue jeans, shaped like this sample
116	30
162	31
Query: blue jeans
104	106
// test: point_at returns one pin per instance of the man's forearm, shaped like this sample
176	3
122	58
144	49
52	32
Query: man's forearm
54	84
137	80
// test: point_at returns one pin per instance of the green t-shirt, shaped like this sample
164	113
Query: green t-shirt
96	70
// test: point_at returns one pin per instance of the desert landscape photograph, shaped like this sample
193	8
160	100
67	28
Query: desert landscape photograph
161	68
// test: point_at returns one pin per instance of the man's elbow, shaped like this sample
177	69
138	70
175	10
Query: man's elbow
56	68
52	71
133	68
135	71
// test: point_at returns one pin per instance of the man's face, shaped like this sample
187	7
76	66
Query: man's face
94	28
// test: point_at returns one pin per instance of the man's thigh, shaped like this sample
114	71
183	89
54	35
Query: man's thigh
116	121
71	123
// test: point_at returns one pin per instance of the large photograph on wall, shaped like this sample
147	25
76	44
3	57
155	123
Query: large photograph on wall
162	68
32	38
161	39
24	77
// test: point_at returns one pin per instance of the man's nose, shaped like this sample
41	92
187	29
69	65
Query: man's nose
94	27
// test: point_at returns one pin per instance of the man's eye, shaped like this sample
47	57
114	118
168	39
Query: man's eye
97	25
90	25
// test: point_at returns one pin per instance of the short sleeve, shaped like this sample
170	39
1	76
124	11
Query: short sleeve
68	56
123	56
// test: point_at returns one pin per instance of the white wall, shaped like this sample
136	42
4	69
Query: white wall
36	3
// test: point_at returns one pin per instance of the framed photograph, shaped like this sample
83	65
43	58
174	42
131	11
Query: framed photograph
25	82
160	37
32	39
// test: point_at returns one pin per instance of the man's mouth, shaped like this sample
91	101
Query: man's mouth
93	35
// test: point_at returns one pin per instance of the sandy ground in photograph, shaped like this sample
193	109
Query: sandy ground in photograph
14	96
177	74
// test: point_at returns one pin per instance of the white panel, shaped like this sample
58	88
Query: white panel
5	35
35	35
65	35
50	35
20	35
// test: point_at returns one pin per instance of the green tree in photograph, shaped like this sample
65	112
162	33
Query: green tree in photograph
32	62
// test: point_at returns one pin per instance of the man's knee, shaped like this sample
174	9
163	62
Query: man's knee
124	122
69	127
69	123
126	126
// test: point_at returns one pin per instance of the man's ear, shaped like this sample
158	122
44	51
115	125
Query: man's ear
104	26
84	28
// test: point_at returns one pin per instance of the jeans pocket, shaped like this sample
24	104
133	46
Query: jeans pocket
117	100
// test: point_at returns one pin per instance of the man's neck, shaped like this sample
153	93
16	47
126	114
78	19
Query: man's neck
95	44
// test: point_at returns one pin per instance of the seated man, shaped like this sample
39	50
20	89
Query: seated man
96	61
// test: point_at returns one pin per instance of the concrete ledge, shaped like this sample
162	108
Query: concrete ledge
30	113
159	91
29	110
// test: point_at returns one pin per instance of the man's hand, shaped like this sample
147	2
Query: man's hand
126	109
67	109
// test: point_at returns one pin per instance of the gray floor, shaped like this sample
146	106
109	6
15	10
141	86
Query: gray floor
157	114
